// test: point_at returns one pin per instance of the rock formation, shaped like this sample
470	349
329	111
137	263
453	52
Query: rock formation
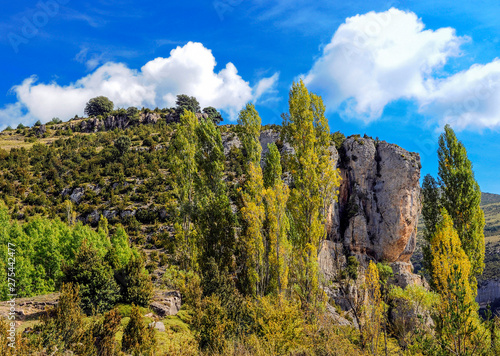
379	202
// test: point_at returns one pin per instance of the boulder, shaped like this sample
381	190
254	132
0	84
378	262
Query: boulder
166	303
77	195
158	325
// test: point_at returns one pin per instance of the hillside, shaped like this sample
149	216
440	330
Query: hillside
207	228
490	203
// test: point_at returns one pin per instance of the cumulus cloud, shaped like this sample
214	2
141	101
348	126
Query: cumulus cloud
188	70
467	100
377	58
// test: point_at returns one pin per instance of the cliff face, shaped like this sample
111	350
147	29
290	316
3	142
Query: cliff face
376	215
379	202
377	211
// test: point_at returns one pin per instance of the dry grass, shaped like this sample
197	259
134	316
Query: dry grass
9	141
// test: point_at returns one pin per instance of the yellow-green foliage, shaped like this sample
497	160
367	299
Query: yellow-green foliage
253	214
177	340
138	339
413	306
449	261
276	198
184	170
315	181
372	312
458	323
280	323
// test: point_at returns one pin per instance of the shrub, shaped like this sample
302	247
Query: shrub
98	289
138	339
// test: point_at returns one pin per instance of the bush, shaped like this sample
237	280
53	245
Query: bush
122	144
135	282
138	339
98	289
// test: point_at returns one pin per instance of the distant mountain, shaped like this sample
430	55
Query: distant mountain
488	198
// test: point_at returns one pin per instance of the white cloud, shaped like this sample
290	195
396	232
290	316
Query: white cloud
377	58
466	100
266	85
188	70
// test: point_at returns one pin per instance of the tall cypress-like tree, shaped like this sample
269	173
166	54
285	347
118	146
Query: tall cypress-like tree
431	214
315	182
461	197
184	168
276	195
253	212
457	321
214	217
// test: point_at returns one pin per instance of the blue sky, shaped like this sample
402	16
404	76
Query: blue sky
397	70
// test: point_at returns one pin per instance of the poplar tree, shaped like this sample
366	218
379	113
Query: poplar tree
214	218
276	195
253	212
314	181
431	214
184	168
461	197
457	322
373	309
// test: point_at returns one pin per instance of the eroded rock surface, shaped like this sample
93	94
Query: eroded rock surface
379	202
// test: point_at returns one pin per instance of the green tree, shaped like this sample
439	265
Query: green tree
215	217
132	112
315	182
186	102
253	211
99	105
431	214
138	339
461	197
213	114
120	252
98	288
135	282
184	169
122	144
276	195
38	123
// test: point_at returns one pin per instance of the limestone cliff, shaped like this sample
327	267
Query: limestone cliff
377	211
379	202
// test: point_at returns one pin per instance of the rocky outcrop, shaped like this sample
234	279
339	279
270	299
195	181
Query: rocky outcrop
111	122
166	303
377	212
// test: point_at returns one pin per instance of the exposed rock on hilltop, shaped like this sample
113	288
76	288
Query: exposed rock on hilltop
111	122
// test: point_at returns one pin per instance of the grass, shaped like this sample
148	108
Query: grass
10	141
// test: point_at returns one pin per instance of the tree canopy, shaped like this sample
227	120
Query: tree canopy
99	105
